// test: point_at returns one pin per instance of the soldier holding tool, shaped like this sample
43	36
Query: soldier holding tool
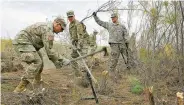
28	43
118	40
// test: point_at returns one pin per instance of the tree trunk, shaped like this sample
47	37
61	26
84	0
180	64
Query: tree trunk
182	45
180	72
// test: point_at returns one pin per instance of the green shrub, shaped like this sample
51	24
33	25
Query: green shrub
137	89
136	86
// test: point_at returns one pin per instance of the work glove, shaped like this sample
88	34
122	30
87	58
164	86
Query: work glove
94	13
58	64
62	62
76	45
65	62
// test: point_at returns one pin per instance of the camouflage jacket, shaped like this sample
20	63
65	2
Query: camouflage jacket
117	32
37	36
78	32
92	40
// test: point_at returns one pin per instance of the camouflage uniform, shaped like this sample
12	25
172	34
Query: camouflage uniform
27	44
118	37
79	38
92	41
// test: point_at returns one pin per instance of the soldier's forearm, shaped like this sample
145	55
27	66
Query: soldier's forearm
97	20
100	22
51	54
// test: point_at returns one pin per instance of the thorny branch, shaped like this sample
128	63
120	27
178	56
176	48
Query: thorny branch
108	6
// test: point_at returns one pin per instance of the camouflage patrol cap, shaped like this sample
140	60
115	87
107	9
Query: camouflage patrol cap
114	15
61	21
70	13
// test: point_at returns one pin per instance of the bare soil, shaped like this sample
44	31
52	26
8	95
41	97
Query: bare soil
61	90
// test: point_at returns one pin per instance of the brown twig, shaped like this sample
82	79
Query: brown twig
169	72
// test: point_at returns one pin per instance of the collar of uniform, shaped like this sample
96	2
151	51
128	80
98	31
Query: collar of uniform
117	23
74	21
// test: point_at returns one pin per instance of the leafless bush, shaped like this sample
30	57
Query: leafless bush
9	61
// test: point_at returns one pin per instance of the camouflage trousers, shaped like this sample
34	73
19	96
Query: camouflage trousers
31	61
116	50
75	65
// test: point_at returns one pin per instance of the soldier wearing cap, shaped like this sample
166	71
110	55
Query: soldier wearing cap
118	40
79	38
28	43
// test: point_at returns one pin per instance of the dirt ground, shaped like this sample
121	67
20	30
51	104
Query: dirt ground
61	90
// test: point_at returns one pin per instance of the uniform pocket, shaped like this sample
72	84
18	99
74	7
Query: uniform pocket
25	47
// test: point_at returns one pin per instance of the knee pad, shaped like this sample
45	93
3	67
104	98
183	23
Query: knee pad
32	70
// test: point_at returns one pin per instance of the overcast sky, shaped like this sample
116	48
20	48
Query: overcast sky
16	15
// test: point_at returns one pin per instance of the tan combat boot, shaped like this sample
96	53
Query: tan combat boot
22	86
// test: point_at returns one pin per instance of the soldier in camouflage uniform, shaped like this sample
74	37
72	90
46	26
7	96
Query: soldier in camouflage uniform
27	44
118	40
79	38
92	41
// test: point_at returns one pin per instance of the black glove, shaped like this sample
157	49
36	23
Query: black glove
94	13
127	44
